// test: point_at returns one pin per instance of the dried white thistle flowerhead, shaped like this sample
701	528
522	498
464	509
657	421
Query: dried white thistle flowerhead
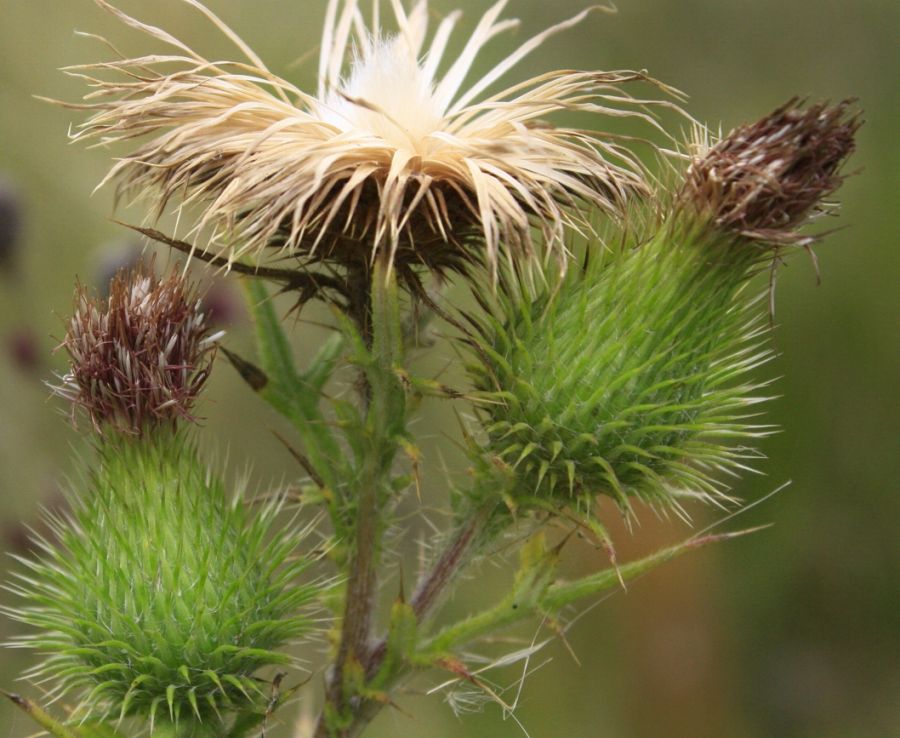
393	153
140	358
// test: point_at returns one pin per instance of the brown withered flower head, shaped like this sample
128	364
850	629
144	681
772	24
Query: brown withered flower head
140	357
766	179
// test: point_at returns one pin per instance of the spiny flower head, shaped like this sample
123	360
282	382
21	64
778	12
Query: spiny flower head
140	358
158	598
392	153
631	376
628	377
765	179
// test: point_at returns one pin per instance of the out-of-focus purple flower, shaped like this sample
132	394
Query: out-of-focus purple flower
24	350
222	305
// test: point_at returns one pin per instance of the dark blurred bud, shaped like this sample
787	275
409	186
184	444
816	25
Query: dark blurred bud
23	349
766	179
18	538
141	357
222	305
10	225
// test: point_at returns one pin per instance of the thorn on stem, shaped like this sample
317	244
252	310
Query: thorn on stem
250	373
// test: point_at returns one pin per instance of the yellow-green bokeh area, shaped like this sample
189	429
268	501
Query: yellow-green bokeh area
793	632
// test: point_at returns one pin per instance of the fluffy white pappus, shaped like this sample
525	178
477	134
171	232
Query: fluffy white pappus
409	111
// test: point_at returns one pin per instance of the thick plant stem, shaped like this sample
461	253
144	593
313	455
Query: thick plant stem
359	600
383	409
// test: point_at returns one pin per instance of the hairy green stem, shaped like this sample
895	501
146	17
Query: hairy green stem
433	586
378	321
558	595
40	716
360	594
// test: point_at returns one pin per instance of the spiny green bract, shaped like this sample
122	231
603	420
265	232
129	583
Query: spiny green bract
161	598
627	376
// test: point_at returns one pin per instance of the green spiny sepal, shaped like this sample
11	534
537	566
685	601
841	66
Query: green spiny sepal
628	376
160	598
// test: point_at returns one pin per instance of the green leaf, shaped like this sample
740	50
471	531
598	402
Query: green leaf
324	362
274	347
293	394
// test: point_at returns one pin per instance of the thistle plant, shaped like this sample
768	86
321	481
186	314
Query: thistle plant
612	337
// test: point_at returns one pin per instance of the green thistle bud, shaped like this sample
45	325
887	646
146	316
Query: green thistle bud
161	598
626	378
631	376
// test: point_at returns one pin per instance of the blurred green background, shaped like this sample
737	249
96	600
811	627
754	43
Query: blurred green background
792	632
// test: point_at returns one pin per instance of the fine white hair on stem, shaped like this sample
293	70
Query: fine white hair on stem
391	153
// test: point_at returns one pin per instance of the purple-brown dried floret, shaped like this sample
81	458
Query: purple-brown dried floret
766	179
140	357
